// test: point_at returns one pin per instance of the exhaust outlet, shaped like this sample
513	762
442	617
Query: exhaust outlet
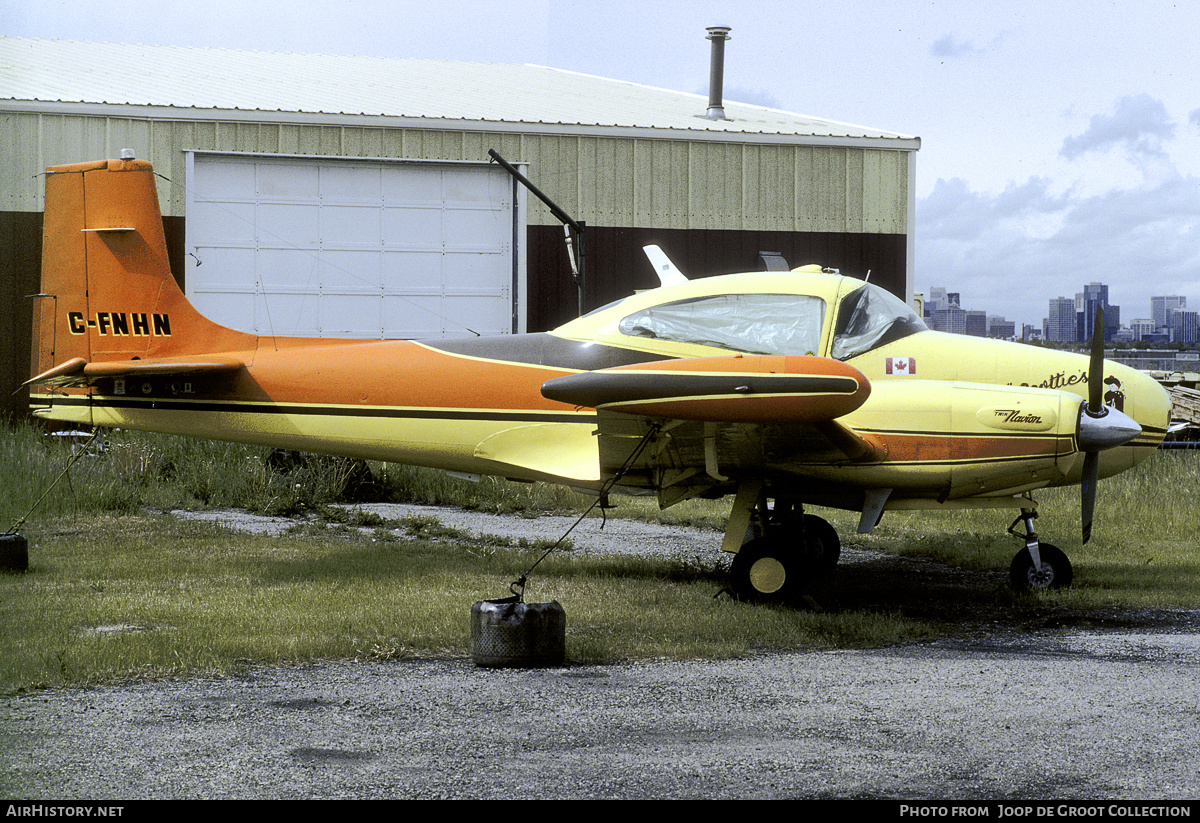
716	73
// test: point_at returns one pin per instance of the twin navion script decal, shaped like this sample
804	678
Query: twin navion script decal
121	324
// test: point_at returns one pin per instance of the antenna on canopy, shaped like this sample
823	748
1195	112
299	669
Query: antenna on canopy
668	273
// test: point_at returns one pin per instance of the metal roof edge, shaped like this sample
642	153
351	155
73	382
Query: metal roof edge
396	161
138	112
729	102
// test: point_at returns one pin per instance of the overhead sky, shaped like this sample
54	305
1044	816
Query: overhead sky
1060	140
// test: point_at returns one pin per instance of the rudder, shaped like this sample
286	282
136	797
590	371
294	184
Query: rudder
107	290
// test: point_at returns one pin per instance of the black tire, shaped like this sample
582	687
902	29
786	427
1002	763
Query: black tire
827	549
1056	570
766	570
820	550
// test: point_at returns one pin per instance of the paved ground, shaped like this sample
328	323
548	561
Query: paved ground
1095	716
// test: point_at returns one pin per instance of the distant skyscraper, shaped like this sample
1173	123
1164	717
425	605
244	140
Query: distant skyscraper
1060	325
1095	295
1141	327
1183	326
1161	308
944	312
951	319
1000	328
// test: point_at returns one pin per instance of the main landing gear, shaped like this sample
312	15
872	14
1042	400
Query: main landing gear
783	550
1038	565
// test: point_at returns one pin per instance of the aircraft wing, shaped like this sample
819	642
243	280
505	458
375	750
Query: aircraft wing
79	372
713	415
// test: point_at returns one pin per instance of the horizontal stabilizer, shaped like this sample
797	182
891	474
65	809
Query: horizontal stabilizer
69	373
79	372
739	389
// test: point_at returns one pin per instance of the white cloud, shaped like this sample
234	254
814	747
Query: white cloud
1118	209
949	46
1138	123
1009	253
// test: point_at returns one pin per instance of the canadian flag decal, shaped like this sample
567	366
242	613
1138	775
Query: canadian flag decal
900	365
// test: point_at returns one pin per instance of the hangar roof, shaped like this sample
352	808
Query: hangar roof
210	83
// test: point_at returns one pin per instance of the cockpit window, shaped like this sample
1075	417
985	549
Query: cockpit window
868	318
751	323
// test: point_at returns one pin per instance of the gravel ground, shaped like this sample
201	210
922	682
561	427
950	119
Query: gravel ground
612	537
1096	716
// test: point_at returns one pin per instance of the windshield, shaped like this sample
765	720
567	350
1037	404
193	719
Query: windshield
751	323
868	318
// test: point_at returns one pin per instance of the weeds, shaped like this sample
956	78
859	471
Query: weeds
127	471
117	592
148	596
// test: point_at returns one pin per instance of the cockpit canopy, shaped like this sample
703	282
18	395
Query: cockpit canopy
750	323
867	318
792	313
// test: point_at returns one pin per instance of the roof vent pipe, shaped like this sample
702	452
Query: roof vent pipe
716	73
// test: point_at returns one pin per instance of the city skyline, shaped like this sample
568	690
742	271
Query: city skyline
1069	318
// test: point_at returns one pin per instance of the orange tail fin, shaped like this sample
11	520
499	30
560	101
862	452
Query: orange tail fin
107	289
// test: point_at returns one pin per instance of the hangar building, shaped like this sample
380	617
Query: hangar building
353	196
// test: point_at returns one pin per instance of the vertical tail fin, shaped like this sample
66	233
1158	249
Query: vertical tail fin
107	289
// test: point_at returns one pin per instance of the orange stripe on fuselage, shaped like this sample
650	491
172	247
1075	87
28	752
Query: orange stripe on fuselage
913	447
392	374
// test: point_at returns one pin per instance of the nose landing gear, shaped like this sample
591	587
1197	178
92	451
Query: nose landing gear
1038	565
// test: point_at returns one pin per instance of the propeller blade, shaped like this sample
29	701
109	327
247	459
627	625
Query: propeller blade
1093	432
1091	473
1096	366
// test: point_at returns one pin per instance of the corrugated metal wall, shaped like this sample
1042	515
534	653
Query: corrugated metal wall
714	204
641	183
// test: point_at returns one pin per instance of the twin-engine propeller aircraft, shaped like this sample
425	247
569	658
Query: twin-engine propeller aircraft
782	389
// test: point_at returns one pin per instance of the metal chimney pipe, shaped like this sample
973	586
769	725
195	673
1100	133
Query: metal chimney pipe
716	72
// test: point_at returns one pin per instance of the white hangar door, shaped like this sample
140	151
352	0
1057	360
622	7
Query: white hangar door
354	248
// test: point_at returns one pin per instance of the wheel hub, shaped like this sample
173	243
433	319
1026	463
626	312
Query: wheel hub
767	575
1041	579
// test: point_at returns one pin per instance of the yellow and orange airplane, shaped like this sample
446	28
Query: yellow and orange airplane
782	389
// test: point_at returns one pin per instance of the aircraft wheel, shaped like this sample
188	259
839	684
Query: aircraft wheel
824	545
1056	570
766	571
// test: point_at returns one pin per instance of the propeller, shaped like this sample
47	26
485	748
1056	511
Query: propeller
1100	426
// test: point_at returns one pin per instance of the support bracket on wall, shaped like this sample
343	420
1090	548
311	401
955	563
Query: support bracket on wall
575	230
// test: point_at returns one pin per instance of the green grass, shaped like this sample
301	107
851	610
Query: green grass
111	598
117	590
125	471
1144	551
